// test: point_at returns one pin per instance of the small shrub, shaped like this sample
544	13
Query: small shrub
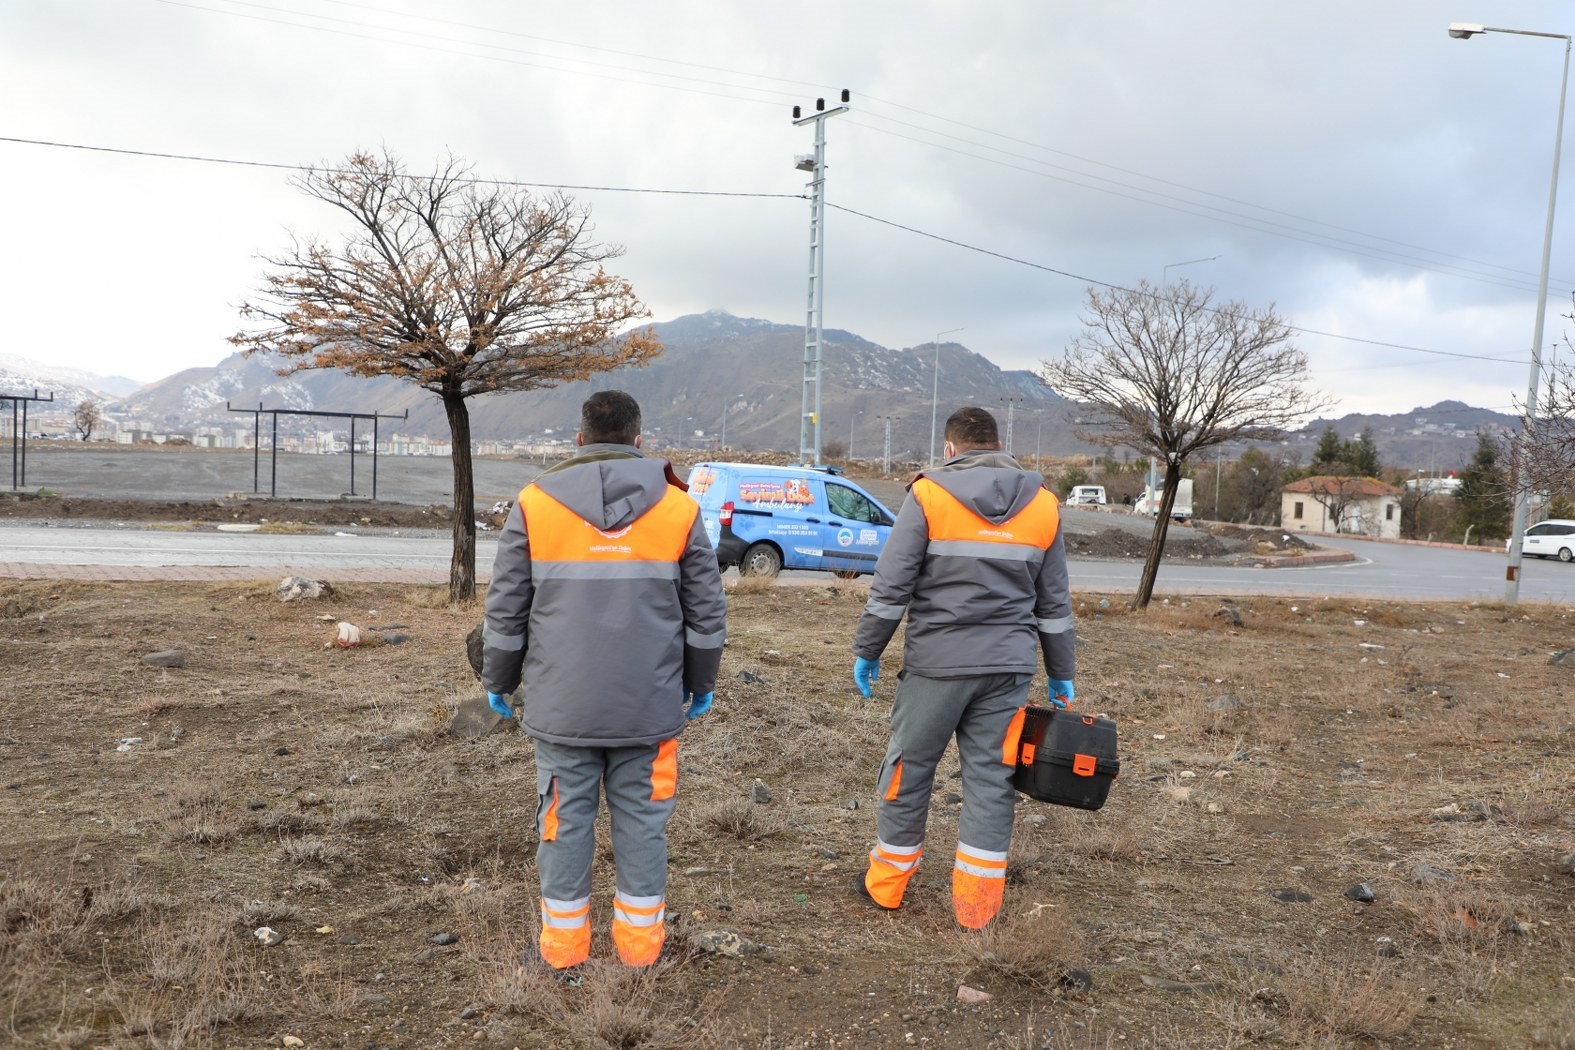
1033	948
255	913
1333	1000
204	832
312	852
752	585
740	819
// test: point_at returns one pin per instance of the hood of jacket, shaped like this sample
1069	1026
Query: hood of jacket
990	484
610	486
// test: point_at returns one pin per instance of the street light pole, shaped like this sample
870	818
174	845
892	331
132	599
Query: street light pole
1517	534
1165	270
935	389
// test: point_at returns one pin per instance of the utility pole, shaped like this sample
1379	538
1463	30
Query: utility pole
885	456
815	164
1011	405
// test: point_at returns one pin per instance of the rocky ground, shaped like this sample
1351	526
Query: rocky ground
1337	824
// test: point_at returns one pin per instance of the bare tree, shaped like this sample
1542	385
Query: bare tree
1167	373
460	286
1544	451
86	416
1337	495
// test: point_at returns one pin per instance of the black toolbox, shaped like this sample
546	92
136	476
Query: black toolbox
1066	757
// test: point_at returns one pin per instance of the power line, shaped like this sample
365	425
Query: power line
1246	222
280	166
1159	180
545	62
1151	197
472	180
1122	288
571	44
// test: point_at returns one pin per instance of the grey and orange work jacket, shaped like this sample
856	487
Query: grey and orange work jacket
605	600
976	563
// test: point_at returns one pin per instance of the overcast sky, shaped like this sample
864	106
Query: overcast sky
1343	160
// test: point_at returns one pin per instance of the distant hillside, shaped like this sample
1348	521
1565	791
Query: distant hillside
752	367
21	375
1438	437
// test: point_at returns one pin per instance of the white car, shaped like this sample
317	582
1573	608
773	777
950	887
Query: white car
1087	496
1554	538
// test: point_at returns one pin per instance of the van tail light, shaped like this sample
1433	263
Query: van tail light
727	514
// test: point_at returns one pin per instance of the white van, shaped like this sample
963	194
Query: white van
1554	538
1087	496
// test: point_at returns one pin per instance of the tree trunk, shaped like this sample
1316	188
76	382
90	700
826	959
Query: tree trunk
1156	547
462	568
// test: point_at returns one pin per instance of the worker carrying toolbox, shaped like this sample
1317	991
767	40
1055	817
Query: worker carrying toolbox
976	564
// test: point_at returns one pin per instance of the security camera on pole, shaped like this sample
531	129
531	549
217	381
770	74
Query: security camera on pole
815	163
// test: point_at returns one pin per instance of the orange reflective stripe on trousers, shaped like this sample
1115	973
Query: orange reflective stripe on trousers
638	928
565	932
890	869
978	885
1014	737
664	771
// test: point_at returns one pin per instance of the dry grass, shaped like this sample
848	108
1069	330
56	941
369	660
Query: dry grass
739	819
1037	947
746	585
280	784
312	851
1331	999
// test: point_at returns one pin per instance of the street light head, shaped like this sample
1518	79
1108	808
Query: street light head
1465	30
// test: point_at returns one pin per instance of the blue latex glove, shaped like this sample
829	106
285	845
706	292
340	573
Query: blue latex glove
500	703
864	673
1060	693
697	704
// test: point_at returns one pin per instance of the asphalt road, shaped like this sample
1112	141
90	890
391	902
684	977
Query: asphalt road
1381	570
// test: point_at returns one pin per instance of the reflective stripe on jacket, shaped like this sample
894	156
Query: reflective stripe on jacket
976	563
606	600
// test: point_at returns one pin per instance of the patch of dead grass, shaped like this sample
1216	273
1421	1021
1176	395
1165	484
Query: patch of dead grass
1330	998
311	851
1035	946
740	819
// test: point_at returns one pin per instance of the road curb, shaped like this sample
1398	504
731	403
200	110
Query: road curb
1296	561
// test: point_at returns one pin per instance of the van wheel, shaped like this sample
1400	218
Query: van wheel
1564	554
760	560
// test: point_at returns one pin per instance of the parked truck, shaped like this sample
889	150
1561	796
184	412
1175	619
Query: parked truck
1154	496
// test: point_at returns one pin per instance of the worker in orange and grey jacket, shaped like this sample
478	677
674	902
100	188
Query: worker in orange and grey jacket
976	563
606	599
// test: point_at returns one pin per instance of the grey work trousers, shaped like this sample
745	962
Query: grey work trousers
639	823
925	716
